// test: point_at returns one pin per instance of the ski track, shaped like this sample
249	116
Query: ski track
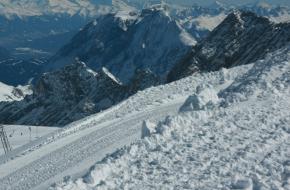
87	146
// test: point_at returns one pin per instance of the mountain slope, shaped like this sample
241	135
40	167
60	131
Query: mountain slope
75	148
72	93
64	96
240	144
125	44
217	146
242	38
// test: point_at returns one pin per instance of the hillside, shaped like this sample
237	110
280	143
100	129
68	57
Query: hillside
231	138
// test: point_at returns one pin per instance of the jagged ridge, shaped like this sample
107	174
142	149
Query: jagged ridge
242	38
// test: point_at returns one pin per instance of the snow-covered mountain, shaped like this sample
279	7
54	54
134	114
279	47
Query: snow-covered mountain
231	133
126	42
11	93
242	38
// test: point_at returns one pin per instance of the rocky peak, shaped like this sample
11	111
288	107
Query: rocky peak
74	80
68	94
123	44
242	38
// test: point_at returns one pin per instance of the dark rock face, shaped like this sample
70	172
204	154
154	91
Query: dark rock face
242	38
143	79
72	93
64	96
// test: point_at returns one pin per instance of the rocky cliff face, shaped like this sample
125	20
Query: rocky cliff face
64	96
242	38
71	93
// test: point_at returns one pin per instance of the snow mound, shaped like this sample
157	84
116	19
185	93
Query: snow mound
204	99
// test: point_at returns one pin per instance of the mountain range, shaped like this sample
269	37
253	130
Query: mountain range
139	56
242	38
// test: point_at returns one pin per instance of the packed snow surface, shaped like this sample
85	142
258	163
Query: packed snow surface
19	135
239	142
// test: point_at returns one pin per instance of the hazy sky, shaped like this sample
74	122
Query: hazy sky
235	2
206	2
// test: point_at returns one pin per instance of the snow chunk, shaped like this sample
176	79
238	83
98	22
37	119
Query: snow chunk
204	99
147	129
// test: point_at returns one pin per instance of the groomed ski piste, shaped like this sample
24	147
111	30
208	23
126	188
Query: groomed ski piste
228	129
19	135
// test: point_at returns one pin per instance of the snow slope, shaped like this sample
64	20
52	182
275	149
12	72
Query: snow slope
10	93
19	135
242	142
73	150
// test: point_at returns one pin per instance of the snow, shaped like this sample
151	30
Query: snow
187	39
19	135
281	18
205	98
73	150
239	139
123	10
240	144
208	22
9	93
110	75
